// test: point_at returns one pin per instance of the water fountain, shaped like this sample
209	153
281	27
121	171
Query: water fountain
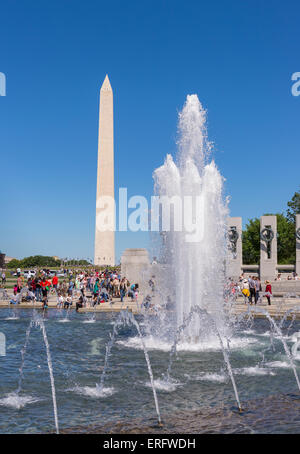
197	264
192	320
197	267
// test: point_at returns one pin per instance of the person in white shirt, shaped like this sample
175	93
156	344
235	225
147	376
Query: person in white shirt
60	301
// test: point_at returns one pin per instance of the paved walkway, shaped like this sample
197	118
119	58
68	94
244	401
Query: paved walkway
278	308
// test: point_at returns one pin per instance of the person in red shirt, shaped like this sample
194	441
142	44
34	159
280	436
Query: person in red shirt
268	290
45	286
55	282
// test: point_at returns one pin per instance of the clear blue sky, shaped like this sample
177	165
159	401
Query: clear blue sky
238	56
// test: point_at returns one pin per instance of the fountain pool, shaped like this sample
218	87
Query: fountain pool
199	389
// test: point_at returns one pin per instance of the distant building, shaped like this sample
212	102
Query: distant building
8	259
56	258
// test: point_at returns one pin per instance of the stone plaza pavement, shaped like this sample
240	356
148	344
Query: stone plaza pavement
278	308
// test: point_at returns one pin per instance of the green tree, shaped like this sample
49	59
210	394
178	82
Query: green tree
39	261
286	244
293	207
13	264
251	242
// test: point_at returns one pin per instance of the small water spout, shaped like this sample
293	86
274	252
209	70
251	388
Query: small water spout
49	361
296	346
228	365
23	353
135	323
197	310
38	321
126	317
285	346
180	329
287	313
119	322
225	354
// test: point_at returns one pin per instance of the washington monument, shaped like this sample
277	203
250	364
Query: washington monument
105	240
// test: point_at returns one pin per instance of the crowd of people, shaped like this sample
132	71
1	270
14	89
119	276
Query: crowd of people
90	287
251	289
93	287
293	277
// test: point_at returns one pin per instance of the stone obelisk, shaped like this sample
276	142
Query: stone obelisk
105	240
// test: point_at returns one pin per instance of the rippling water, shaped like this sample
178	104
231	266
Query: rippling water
198	399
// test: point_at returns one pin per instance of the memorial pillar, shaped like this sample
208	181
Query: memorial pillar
268	247
235	259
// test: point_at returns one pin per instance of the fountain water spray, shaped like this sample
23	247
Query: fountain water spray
49	361
135	323
195	255
23	353
285	346
125	318
118	323
202	312
38	321
197	267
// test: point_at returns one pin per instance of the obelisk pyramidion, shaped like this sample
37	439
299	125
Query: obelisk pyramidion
105	239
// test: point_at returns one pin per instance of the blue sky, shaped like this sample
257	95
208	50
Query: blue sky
237	56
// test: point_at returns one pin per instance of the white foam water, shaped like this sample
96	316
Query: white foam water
210	377
164	385
154	343
15	400
279	364
96	391
95	346
253	371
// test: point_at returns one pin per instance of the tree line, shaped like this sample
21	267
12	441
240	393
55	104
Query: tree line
42	261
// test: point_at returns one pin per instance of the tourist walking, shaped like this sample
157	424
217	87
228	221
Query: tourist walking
252	289
257	288
268	291
123	288
38	289
96	287
45	287
245	290
19	284
70	289
55	281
